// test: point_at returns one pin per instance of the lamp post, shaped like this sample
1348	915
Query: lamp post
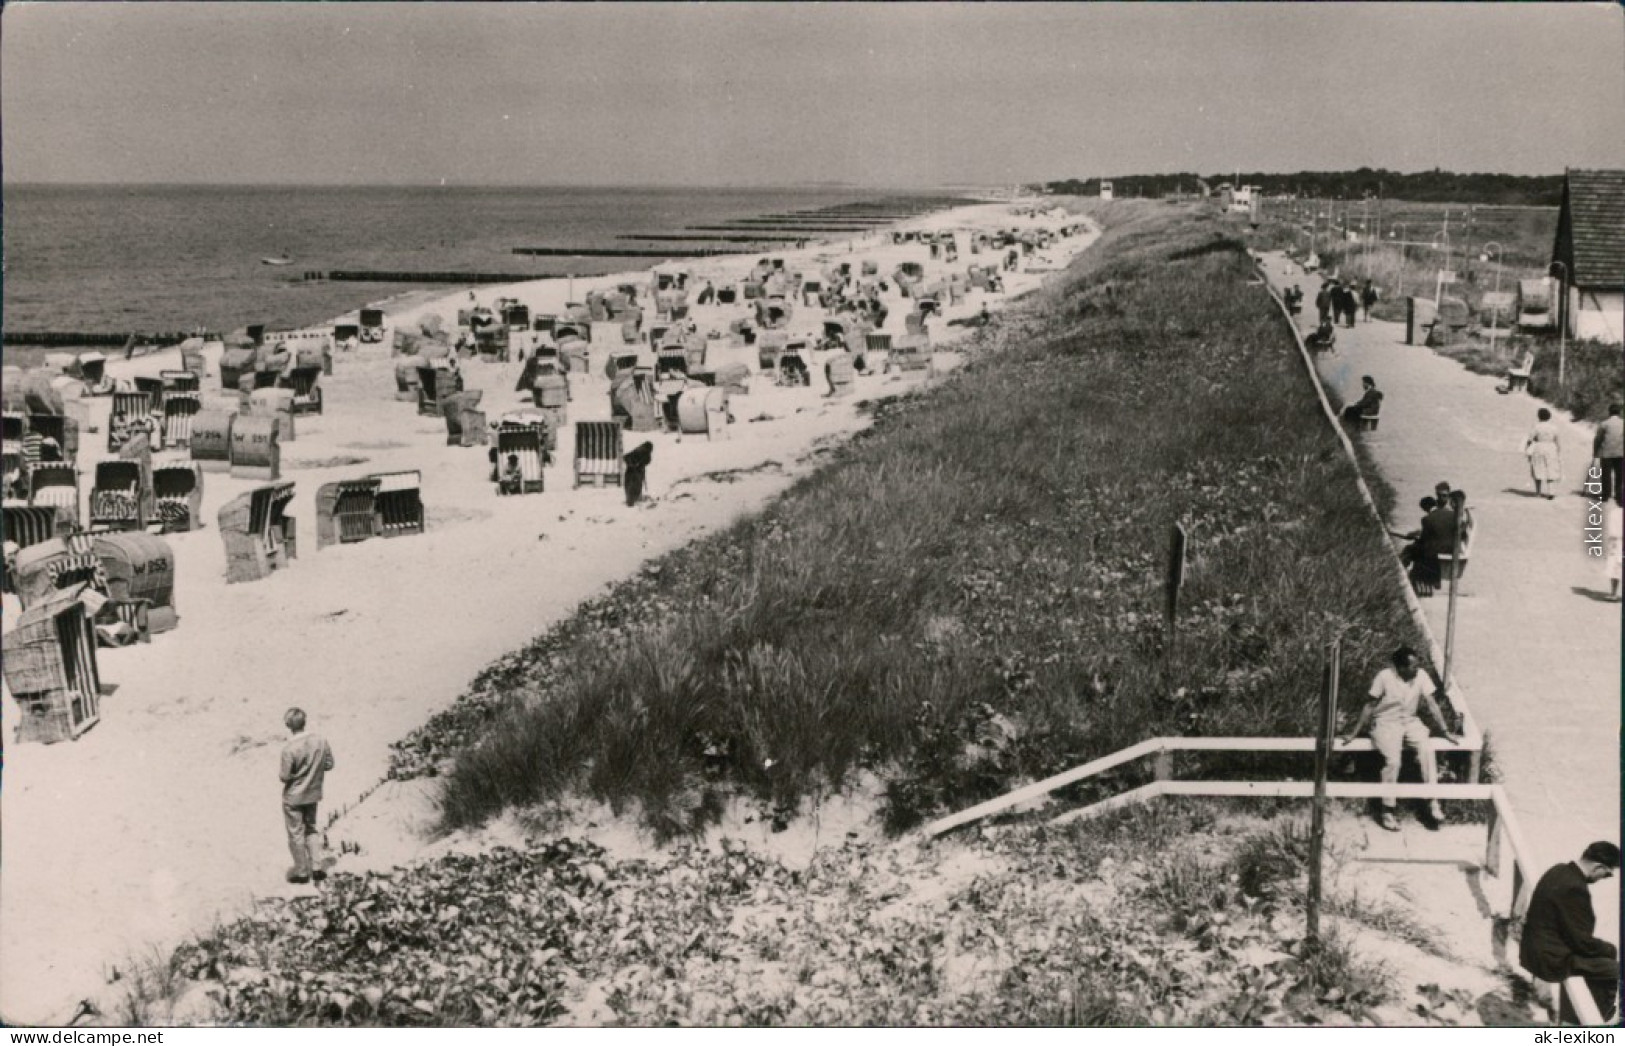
1403	254
1495	313
1562	320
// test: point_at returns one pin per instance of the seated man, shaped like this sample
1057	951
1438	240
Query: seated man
1397	694
1324	337
1407	555
1369	403
1559	938
513	477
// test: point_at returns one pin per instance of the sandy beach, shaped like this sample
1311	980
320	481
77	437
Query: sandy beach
164	817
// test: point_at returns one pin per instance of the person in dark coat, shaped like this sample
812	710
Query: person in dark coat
1559	939
633	476
1368	298
1323	302
1370	401
1438	538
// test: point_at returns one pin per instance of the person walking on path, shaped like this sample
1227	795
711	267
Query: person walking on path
1368	298
1397	694
1559	930
1613	523
1323	303
637	467
306	759
1544	450
1369	403
1608	447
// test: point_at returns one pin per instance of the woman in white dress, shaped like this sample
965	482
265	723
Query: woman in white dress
1545	454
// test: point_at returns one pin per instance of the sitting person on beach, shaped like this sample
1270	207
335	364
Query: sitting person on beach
1369	403
513	477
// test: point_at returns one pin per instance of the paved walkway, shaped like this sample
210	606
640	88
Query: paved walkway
1537	649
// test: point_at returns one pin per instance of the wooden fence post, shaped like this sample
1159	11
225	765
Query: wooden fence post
1324	739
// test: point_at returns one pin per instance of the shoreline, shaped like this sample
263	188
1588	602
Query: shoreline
371	638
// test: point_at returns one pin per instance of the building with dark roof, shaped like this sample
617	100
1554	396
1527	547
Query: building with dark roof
1589	255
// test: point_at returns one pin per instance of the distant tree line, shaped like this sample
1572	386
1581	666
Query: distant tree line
1435	186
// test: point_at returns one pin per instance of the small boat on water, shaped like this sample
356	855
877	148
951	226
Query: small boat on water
284	260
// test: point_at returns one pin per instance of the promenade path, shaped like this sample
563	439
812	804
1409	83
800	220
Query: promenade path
1537	649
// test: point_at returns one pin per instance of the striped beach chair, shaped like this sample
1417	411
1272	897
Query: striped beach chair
400	503
598	454
529	442
179	410
117	500
55	486
307	390
50	668
13	426
179	381
60	430
346	511
178	487
131	416
25	526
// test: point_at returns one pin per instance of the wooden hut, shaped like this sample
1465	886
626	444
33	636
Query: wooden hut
50	667
258	533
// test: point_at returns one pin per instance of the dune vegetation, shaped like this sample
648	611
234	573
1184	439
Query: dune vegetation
971	595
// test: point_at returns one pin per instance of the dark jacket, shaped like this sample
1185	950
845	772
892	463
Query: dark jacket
1438	532
1558	927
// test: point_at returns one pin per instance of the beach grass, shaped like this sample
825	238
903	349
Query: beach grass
971	595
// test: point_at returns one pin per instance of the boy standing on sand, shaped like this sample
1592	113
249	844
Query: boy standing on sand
306	758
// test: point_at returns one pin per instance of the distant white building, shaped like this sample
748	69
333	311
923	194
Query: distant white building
1589	255
1105	190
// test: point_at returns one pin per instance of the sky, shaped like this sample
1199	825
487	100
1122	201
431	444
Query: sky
789	94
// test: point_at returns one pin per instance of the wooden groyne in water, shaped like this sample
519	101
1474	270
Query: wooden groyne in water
100	339
369	276
661	237
618	252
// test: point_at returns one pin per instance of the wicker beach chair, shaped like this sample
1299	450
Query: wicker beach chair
258	533
58	429
138	569
305	383
372	326
118	499
180	408
50	667
399	503
346	511
598	454
178	491
529	443
55	486
131	415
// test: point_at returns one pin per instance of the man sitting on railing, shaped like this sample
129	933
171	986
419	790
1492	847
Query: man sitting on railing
1559	941
1397	694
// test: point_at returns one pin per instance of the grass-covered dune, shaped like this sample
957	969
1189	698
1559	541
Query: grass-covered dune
971	595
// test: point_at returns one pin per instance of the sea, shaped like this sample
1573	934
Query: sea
171	258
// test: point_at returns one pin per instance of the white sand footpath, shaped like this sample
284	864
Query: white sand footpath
164	817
